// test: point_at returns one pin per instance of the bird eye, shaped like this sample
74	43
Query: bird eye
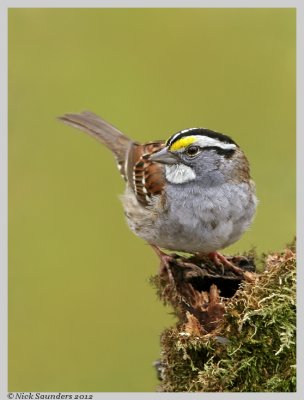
192	151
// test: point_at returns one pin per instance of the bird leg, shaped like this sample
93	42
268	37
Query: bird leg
165	260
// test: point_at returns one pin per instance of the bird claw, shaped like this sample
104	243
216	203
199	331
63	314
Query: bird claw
221	261
217	258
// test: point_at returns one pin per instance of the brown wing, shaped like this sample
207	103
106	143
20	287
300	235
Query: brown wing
144	176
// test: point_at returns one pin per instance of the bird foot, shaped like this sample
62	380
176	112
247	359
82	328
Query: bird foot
221	261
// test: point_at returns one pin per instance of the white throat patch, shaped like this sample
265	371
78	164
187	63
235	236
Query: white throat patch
179	173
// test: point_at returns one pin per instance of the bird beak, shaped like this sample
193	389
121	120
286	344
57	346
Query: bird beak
164	156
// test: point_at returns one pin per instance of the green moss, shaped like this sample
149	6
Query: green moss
252	350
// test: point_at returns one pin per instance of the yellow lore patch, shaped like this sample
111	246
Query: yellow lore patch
183	142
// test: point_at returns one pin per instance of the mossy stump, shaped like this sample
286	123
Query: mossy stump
232	334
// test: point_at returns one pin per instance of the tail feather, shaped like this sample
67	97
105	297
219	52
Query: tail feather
101	130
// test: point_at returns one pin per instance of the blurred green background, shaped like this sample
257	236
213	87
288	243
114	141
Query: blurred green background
82	315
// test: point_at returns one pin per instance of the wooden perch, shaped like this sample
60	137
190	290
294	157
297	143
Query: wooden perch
232	333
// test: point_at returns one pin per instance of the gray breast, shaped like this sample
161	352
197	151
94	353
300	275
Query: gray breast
195	219
205	220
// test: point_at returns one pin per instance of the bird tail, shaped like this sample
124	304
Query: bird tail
101	130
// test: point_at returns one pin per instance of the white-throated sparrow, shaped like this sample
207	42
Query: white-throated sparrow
192	193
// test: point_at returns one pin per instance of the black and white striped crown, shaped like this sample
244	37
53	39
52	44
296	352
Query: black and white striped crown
200	132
